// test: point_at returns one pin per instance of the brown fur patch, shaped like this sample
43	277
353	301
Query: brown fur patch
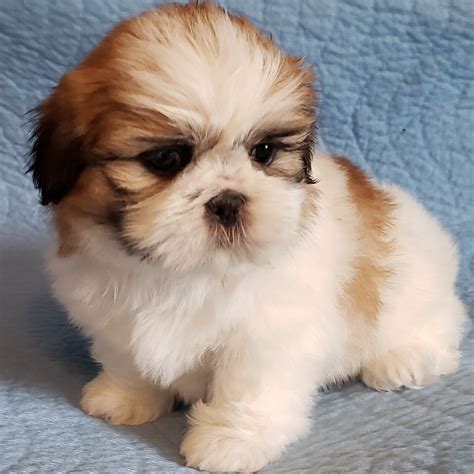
374	206
131	177
90	201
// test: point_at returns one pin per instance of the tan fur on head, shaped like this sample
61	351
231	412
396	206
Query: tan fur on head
192	74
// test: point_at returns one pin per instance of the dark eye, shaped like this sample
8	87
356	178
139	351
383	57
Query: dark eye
263	153
167	161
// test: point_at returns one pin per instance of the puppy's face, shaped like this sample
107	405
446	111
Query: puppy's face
186	134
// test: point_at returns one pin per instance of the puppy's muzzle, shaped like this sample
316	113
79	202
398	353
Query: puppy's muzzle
226	207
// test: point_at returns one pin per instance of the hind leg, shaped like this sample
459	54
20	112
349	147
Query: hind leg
420	327
413	355
411	366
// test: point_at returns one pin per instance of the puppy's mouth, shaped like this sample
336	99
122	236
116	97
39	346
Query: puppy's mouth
227	217
227	223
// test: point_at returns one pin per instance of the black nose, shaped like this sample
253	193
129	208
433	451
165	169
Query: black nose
225	207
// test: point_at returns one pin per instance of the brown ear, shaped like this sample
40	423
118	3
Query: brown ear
55	158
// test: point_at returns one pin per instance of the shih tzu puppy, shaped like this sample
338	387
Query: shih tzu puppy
212	255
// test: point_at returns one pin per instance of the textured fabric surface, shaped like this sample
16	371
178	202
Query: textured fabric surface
397	83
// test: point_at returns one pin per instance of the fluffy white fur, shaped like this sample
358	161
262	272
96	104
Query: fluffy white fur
270	334
248	338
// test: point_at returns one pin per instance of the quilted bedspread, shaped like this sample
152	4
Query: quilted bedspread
397	85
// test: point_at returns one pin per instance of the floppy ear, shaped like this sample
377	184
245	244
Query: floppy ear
55	157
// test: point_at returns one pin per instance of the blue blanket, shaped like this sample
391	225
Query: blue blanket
397	84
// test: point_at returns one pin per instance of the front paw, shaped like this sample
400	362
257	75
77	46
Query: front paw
218	449
119	404
219	445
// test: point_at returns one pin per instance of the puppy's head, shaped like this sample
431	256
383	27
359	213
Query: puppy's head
186	135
